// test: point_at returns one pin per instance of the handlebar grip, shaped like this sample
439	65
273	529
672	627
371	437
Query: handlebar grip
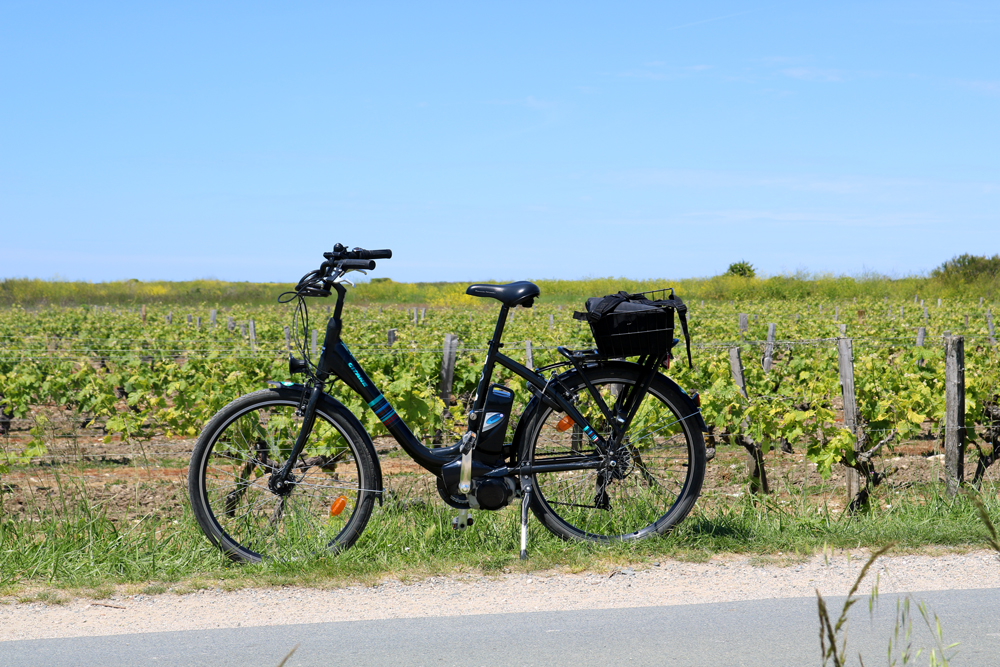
365	264
361	253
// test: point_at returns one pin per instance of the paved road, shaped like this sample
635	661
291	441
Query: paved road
774	633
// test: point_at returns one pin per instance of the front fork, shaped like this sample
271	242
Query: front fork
278	483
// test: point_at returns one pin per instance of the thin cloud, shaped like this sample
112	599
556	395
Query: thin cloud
991	88
814	74
843	185
658	71
717	18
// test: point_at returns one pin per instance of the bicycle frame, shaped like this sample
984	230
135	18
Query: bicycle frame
336	360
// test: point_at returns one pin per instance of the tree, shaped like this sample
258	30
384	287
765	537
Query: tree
968	269
741	268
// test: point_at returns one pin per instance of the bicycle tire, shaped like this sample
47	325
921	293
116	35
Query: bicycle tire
660	470
242	446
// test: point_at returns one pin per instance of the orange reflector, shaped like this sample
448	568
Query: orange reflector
338	505
565	424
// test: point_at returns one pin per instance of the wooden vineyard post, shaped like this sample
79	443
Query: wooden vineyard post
198	324
836	313
921	335
736	367
391	337
143	311
189	318
253	338
212	314
230	324
528	355
989	326
415	316
315	337
925	315
845	364
843	329
769	347
423	311
288	340
448	356
170	318
743	323
954	420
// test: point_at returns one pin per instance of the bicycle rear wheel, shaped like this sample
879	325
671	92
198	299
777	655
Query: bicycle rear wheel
659	466
334	482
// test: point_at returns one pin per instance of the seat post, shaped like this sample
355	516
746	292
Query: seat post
494	347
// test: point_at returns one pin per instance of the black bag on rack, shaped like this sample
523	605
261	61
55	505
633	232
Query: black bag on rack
631	325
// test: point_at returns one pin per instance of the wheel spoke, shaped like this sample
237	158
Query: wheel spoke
652	473
250	520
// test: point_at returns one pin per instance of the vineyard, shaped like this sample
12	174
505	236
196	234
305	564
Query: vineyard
113	398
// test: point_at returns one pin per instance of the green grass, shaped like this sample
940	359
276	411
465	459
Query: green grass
76	549
131	293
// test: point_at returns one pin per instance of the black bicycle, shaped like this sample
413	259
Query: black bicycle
605	449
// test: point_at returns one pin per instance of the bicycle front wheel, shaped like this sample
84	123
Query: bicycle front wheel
658	468
332	487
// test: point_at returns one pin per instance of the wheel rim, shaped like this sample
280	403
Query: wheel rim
259	523
638	496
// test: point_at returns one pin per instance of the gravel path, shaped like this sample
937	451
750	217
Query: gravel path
723	578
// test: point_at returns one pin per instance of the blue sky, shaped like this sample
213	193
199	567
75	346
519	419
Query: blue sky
505	141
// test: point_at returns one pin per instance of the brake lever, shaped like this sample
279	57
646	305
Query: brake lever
343	276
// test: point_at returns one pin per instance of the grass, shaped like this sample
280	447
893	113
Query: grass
131	293
73	548
833	636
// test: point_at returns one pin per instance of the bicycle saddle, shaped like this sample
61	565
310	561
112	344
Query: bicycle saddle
521	293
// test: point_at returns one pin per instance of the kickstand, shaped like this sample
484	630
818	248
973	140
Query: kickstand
462	521
525	501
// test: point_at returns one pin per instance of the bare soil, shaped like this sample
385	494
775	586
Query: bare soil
129	480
